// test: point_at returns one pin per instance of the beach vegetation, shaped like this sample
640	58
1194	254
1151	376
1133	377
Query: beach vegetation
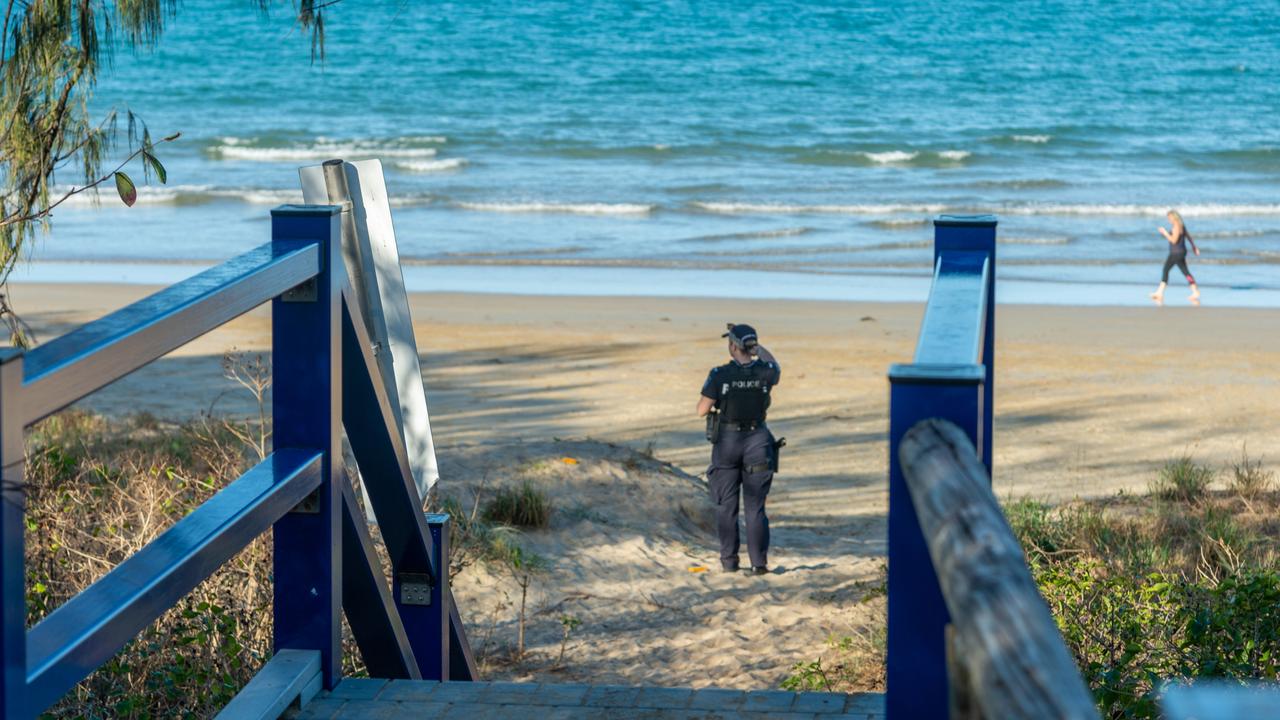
524	506
522	567
51	53
1152	592
1248	478
850	663
568	624
1182	478
99	490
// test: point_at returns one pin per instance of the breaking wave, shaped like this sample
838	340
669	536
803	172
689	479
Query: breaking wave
555	207
269	149
431	166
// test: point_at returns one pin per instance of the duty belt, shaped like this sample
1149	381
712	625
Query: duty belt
742	426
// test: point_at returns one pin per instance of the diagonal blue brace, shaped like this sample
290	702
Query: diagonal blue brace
380	454
367	602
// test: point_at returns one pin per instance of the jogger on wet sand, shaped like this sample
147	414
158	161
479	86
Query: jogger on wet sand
1178	238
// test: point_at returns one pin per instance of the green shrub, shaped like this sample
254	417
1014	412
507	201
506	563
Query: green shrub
1129	634
1182	479
523	506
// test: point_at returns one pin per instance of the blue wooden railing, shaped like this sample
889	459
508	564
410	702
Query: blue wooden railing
952	378
325	380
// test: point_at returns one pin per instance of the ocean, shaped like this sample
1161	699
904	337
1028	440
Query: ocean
757	149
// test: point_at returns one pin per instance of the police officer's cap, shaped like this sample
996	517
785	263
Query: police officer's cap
744	336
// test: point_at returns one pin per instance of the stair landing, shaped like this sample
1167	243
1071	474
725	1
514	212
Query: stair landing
358	699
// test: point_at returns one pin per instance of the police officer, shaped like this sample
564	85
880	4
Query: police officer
743	454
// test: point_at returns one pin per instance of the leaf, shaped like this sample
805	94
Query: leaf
156	167
125	187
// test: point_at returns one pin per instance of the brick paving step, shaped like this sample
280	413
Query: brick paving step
361	699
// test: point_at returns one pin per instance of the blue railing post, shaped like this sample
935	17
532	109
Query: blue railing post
959	391
976	232
13	501
916	667
307	413
436	666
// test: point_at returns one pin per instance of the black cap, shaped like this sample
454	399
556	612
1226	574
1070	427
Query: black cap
744	336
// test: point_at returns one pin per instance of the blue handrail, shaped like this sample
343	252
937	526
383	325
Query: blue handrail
952	378
325	380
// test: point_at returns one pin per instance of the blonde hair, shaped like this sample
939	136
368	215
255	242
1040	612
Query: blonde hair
1177	218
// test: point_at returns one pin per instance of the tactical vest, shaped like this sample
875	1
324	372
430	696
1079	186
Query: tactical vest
744	392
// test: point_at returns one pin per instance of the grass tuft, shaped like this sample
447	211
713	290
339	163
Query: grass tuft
1182	479
524	506
1248	478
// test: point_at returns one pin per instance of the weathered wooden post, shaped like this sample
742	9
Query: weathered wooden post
951	379
306	406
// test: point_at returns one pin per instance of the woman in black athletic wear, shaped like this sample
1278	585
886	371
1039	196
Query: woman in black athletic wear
1178	238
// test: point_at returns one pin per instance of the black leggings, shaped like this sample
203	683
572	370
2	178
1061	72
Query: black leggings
1181	262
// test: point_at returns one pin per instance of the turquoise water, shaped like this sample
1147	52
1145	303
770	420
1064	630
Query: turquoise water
794	138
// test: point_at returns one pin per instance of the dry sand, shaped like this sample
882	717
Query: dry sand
1089	401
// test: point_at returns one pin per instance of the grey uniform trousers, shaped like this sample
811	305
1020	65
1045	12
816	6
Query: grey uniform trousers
728	478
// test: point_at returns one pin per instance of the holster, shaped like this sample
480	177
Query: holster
713	427
777	450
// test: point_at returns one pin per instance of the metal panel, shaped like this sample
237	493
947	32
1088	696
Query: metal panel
90	627
367	602
66	369
373	266
1219	699
306	407
430	623
275	687
952	331
13	608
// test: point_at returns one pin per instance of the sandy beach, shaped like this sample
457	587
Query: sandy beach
1089	401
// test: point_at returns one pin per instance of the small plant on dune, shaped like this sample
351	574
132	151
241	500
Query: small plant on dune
1182	479
1248	478
525	506
807	676
568	623
522	566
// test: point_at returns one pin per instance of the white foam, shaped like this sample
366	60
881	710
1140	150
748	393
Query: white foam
1039	139
732	208
105	195
567	208
317	151
1236	234
954	154
891	156
1120	209
1033	240
430	166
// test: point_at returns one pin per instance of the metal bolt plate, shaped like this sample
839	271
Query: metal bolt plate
415	589
303	292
